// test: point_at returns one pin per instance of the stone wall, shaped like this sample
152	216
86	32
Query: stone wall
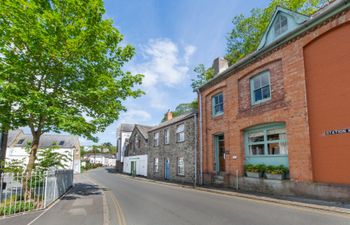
173	151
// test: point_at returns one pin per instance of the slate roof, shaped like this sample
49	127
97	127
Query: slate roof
143	130
174	120
126	127
12	136
47	140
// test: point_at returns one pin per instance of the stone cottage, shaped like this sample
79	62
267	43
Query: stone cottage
172	149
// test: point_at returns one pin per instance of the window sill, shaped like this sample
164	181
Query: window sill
261	102
180	141
217	117
265	156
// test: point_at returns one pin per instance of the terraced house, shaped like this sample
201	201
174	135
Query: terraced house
286	103
172	149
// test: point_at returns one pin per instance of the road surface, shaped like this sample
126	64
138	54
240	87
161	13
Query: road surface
145	203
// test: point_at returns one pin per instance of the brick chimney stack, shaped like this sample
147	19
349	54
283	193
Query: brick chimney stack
219	65
169	115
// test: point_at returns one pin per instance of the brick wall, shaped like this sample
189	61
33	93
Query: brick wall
288	104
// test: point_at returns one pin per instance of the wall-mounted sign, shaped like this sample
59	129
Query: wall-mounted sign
340	131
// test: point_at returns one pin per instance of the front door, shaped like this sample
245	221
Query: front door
133	168
219	153
167	169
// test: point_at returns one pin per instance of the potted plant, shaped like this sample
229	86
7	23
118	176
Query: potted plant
255	171
276	172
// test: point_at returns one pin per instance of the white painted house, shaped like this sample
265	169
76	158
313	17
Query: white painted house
123	135
18	143
104	159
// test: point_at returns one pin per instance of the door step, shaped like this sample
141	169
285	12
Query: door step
219	180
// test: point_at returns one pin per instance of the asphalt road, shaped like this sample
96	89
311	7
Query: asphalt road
140	203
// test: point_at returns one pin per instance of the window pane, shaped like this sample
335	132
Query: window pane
220	99
257	95
256	139
180	128
276	134
256	149
273	149
256	83
266	92
265	79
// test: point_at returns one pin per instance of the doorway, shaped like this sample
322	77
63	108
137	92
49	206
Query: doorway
167	169
219	153
133	168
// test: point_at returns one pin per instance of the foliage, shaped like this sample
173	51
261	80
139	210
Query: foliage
61	67
259	168
89	166
18	207
248	30
182	109
277	169
14	166
203	75
51	158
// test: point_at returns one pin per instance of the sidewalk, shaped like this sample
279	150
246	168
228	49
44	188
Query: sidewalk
334	207
83	204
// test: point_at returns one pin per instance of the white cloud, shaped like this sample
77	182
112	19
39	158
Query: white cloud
135	116
164	63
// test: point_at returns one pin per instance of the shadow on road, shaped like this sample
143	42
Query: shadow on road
111	170
81	189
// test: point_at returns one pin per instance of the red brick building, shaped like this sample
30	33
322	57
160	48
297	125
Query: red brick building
286	103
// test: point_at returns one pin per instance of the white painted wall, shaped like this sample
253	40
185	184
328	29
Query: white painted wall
121	145
19	153
141	164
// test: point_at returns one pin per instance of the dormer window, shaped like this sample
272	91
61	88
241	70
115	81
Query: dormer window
281	25
20	141
61	143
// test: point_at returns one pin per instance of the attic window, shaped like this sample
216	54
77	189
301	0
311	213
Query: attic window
281	25
20	142
61	143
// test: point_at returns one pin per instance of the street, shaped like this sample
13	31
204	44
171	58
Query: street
153	204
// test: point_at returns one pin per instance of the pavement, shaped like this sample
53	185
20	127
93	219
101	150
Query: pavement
103	197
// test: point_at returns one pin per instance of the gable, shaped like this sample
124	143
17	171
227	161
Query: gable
283	22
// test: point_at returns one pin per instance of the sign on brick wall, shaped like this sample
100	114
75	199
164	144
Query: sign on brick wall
340	131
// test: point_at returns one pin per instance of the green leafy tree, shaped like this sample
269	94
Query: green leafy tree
248	30
51	158
62	62
182	109
202	76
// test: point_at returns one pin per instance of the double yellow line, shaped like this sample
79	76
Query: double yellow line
119	210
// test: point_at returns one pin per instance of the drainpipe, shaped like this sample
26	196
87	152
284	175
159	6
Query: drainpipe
195	150
200	137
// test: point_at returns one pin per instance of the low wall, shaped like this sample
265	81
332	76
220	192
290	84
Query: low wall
322	191
56	184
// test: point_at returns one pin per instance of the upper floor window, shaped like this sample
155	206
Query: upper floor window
166	136
281	25
156	139
260	88
20	141
180	133
218	104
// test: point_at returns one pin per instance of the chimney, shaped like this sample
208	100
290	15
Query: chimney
219	65
169	115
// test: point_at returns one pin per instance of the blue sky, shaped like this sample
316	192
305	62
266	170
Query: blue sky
171	38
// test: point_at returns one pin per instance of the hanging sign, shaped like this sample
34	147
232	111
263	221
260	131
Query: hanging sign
335	132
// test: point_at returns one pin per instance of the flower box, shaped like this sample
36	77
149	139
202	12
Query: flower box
254	174
275	176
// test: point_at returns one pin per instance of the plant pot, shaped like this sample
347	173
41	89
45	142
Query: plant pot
254	174
275	176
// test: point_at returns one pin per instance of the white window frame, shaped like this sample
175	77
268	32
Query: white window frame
180	133
156	165
166	136
281	25
156	139
180	166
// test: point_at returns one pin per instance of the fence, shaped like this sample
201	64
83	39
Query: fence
21	193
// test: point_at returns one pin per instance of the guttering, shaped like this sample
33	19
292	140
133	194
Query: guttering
331	11
200	138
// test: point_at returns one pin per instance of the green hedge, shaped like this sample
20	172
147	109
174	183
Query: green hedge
262	168
18	207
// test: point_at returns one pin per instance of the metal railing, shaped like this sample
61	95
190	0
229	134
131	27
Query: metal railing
20	192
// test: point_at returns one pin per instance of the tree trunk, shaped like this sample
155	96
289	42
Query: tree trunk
30	165
3	147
